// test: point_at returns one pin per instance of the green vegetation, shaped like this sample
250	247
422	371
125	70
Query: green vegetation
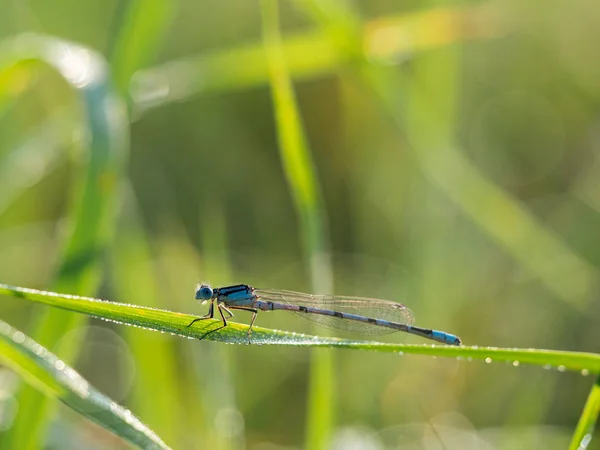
440	156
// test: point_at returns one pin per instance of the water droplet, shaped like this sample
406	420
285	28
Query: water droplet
59	365
547	367
585	372
401	353
561	368
19	337
516	363
585	441
474	347
488	360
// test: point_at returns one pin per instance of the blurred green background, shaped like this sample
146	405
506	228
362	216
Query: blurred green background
455	146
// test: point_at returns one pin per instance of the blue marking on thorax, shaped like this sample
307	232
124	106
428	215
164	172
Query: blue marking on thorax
239	295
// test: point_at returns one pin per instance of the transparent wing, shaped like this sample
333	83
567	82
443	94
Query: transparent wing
361	306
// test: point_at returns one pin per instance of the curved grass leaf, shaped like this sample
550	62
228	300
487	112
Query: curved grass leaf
50	375
177	324
91	217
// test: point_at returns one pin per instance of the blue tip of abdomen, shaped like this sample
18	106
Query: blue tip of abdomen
446	338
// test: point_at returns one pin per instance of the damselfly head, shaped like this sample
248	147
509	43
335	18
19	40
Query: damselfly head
204	292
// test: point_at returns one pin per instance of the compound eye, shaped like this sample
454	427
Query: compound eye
204	292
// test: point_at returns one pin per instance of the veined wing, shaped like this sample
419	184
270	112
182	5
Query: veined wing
361	306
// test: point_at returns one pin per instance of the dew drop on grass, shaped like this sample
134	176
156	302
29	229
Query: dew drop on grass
585	372
561	368
585	441
515	363
488	360
400	353
547	366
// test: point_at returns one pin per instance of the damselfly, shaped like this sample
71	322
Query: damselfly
359	314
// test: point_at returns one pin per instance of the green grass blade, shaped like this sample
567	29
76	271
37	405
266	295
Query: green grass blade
156	362
51	376
587	421
302	179
91	218
141	28
294	151
242	67
234	333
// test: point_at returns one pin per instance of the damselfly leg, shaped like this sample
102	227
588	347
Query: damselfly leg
210	315
254	314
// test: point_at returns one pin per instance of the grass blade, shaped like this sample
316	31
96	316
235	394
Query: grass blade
141	28
56	379
302	179
91	218
587	421
177	324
